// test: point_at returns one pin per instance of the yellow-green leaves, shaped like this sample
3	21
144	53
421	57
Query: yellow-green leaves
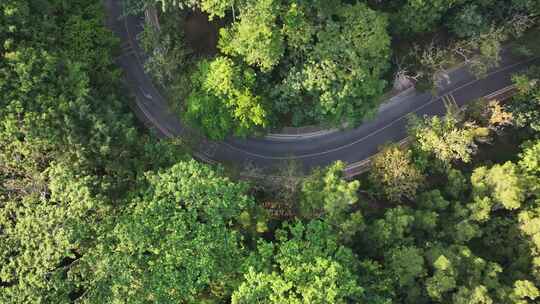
395	174
255	36
176	242
307	267
223	99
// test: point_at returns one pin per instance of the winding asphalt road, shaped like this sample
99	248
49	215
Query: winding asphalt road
351	146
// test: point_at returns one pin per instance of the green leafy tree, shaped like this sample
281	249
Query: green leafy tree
529	166
223	99
45	227
87	42
326	194
501	183
307	267
529	218
443	279
444	138
469	22
457	183
298	28
69	150
391	230
343	72
435	218
476	295
394	173
462	275
255	36
418	16
176	242
524	290
525	106
407	263
377	283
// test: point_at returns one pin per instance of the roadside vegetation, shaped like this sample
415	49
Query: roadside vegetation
296	63
93	209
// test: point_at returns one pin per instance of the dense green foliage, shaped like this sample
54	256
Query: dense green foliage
342	70
444	137
69	151
326	62
394	173
306	265
326	194
463	17
527	102
255	37
319	63
176	241
222	99
93	210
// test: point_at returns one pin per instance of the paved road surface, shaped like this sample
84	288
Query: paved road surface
350	146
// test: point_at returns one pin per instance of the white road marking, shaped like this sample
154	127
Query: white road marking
379	130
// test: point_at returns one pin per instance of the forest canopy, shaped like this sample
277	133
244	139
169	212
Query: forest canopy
94	209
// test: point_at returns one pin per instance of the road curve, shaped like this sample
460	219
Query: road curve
350	146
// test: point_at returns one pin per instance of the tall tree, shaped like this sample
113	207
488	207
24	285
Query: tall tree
45	228
343	71
175	243
307	267
525	106
326	194
418	16
255	36
444	138
468	22
394	174
500	183
223	100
